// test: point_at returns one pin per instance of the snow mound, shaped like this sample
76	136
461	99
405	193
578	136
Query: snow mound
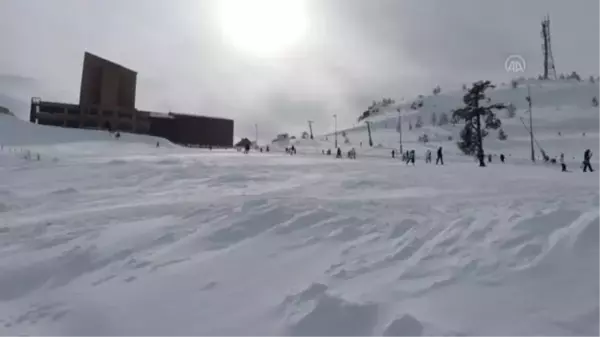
322	314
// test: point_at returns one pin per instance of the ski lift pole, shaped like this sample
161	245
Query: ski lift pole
399	129
530	123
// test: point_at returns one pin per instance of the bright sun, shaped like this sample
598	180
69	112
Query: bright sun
263	27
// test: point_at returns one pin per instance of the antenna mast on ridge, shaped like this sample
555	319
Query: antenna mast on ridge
549	69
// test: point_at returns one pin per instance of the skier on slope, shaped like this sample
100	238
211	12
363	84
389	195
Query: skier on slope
411	157
586	160
440	156
562	162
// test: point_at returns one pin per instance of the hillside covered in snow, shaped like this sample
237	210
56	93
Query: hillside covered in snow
104	237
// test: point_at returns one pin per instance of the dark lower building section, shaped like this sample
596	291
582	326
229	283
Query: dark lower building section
192	129
189	130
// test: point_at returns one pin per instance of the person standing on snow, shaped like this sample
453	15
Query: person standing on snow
440	156
339	153
393	154
562	162
586	161
502	157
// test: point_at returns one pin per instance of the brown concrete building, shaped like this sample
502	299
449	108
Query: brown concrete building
107	101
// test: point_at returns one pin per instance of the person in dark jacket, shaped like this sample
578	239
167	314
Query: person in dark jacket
502	157
339	153
587	155
440	156
393	154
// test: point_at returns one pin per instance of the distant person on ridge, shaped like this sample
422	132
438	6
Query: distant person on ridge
502	157
440	156
157	144
393	154
339	153
587	155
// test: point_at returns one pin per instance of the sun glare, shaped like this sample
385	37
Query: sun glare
263	27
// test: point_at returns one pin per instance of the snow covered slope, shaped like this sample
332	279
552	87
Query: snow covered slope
558	106
174	241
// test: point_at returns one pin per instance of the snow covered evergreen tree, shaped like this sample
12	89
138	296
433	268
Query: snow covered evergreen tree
502	134
477	118
443	120
574	76
419	122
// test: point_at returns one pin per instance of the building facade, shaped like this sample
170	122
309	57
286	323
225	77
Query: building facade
107	101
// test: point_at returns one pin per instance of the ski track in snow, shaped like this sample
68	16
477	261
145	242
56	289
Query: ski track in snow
105	237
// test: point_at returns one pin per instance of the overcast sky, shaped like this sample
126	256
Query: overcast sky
354	51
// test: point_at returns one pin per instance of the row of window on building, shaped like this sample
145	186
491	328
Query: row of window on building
52	109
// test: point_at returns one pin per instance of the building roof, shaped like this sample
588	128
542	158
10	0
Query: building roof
114	64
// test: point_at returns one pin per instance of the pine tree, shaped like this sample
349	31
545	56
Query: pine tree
443	120
477	118
574	76
419	122
502	134
433	119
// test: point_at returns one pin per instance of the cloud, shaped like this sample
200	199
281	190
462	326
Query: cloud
356	51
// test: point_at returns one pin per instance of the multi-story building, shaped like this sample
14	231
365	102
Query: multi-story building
107	101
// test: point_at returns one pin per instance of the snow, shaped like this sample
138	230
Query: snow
118	237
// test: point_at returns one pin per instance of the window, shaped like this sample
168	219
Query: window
52	109
72	124
90	124
125	115
124	126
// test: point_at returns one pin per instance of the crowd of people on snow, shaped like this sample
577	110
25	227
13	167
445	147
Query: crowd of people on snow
409	156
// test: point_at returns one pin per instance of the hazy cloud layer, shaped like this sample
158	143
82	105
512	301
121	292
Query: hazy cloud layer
356	51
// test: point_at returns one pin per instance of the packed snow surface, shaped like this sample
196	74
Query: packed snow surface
118	237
